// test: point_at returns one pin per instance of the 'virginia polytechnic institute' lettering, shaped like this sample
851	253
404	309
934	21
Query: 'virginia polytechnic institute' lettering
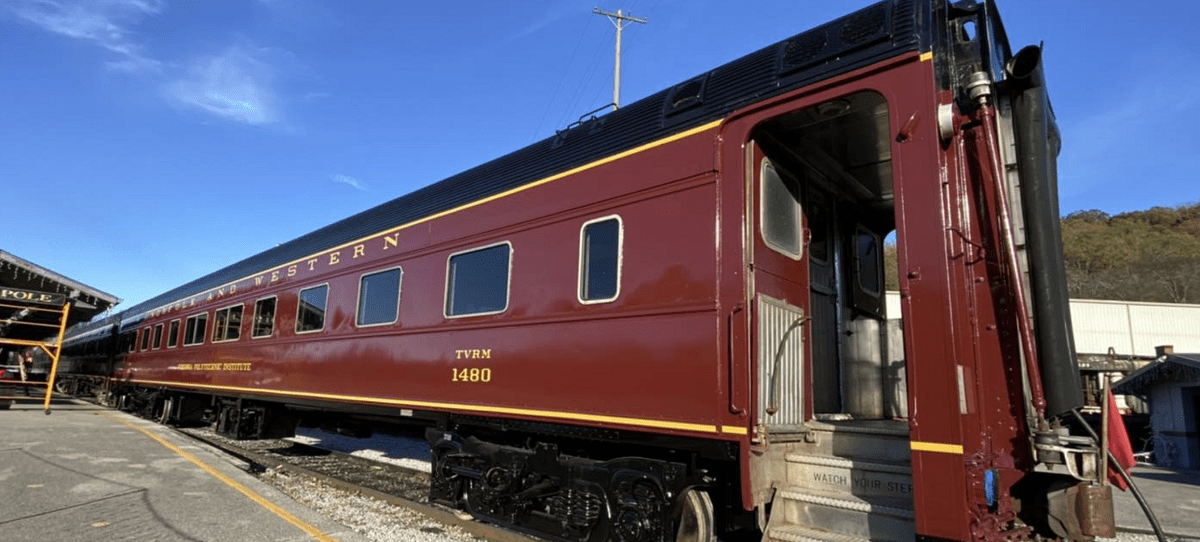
213	366
26	296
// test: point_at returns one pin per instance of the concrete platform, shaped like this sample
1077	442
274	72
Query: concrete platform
1174	496
88	473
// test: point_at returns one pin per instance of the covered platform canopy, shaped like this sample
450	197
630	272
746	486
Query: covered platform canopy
26	289
36	307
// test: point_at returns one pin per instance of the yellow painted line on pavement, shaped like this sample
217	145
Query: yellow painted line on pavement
262	501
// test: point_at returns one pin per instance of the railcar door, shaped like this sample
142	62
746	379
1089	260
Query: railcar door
823	263
781	292
822	203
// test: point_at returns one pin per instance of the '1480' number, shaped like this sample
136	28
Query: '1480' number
473	374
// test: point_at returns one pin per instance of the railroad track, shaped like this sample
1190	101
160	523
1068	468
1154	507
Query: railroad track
408	488
392	484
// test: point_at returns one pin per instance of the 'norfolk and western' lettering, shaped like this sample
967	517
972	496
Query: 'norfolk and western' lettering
314	264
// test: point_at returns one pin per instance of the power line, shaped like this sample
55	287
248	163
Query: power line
570	112
561	78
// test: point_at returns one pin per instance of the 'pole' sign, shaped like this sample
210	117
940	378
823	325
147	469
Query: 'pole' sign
26	296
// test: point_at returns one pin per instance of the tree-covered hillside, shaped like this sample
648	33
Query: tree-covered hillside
1151	255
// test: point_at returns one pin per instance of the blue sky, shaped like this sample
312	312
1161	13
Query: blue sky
145	143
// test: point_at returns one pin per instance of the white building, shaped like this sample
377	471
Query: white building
1172	385
1115	338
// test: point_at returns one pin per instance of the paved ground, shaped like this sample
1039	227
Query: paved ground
1174	497
87	473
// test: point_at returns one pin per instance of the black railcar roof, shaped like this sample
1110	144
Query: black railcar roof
880	31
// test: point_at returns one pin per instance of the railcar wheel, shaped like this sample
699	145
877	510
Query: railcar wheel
696	523
165	417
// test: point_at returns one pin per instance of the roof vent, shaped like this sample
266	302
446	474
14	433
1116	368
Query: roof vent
686	95
803	49
865	25
837	38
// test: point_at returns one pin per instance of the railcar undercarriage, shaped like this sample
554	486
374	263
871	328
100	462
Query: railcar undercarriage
538	489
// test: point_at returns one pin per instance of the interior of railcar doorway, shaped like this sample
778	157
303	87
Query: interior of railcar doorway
829	164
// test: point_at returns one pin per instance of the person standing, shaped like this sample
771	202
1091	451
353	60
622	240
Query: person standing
26	367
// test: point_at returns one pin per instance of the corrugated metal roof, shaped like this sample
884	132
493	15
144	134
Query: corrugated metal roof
1128	328
1134	329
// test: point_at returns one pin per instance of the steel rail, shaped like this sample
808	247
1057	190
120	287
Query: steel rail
258	462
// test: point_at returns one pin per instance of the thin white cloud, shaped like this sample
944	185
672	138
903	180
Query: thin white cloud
312	97
348	181
105	23
242	83
236	85
545	20
134	64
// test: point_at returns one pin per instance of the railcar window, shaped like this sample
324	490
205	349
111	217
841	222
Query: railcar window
264	317
867	259
158	329
234	329
145	339
227	324
600	260
173	334
818	228
781	215
219	318
477	281
310	315
379	297
194	328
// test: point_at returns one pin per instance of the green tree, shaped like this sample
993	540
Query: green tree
891	266
1151	255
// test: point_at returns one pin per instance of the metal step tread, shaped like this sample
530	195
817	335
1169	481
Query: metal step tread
845	462
889	428
804	533
888	506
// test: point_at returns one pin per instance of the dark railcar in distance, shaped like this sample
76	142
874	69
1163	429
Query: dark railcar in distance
89	357
668	322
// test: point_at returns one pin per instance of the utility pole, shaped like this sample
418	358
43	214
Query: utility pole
619	20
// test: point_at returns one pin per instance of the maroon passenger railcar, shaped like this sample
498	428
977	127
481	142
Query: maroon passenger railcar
670	322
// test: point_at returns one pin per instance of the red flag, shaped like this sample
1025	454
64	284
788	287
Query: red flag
1118	443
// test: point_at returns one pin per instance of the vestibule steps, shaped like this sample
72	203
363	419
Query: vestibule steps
847	482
